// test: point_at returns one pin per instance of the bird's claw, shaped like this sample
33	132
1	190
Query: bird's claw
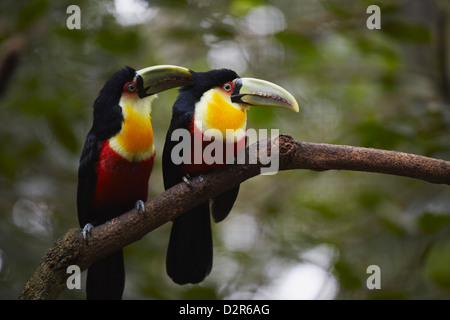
87	231
140	207
186	179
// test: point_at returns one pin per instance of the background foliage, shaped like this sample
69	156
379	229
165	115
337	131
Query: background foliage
294	235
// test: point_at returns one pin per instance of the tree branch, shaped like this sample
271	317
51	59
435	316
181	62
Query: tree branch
50	277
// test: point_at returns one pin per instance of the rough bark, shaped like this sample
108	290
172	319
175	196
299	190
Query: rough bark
50	277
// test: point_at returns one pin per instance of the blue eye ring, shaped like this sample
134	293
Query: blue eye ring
227	87
131	87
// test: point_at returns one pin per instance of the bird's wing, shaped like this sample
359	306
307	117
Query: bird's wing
87	179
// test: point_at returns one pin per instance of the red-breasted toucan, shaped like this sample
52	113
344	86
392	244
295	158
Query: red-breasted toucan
117	161
217	99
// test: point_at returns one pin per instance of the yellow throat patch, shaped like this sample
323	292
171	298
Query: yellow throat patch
135	140
222	115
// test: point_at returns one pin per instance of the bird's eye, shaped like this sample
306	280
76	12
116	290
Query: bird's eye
131	87
227	86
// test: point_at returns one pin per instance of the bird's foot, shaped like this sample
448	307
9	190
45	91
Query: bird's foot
140	207
87	231
186	179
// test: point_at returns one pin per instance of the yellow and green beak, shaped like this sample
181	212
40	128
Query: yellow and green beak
159	78
256	92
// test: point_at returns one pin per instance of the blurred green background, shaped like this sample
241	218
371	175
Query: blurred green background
296	235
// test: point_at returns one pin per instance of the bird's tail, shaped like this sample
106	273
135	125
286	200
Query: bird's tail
106	278
222	204
190	252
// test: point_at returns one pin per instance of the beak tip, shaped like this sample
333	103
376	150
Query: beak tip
264	93
163	77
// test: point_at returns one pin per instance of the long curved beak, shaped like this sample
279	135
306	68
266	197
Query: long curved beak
156	79
258	92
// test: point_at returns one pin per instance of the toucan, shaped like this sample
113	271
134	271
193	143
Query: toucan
117	160
216	101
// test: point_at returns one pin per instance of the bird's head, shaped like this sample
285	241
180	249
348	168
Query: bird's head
133	90
223	98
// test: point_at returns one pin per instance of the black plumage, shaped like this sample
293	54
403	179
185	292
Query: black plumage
106	278
107	121
190	251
